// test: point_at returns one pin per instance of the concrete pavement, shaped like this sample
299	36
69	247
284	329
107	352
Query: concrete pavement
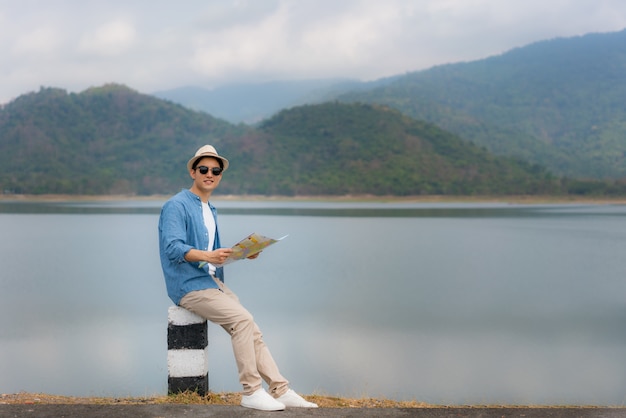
203	411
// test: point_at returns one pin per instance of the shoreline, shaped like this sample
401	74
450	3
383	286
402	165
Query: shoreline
234	399
192	398
513	199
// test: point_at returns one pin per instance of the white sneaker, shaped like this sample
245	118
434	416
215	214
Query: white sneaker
292	400
262	401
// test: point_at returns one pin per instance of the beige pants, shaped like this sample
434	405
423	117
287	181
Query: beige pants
254	361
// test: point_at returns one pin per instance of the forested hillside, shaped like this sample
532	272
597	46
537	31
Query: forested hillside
340	149
114	140
104	140
560	103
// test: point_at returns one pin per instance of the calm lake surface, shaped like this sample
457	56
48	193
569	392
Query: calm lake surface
443	303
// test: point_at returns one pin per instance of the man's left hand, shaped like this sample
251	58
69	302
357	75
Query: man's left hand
252	257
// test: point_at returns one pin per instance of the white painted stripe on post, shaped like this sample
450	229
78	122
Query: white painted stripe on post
181	316
187	363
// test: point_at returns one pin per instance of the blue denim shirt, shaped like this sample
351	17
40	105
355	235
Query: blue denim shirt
181	228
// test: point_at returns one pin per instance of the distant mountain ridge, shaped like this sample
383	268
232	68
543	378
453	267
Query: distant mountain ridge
251	103
560	103
512	124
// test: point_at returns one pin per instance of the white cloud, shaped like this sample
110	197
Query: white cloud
239	48
159	44
111	38
43	40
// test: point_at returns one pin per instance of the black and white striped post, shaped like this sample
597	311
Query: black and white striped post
187	354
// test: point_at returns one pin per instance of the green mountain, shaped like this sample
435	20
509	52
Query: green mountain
104	140
114	140
340	149
559	103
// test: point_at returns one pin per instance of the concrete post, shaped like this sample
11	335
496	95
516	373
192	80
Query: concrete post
187	353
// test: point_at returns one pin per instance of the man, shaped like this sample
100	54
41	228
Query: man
190	249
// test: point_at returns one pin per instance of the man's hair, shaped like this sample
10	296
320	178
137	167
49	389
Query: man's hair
219	161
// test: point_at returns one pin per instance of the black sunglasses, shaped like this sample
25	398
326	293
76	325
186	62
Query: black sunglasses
216	171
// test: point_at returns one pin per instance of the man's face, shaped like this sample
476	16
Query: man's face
209	181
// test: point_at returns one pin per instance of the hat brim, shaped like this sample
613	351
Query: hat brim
195	158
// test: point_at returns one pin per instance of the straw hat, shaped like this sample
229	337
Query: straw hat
206	151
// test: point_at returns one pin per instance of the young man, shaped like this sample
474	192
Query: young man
189	247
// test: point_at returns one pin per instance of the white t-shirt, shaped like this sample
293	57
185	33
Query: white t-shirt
209	222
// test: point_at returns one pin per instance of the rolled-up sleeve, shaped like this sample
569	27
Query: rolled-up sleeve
173	232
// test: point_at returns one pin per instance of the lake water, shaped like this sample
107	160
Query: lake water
443	303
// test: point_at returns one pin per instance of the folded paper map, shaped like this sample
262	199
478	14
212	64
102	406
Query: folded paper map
247	247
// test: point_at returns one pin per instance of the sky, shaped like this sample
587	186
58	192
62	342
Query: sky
153	45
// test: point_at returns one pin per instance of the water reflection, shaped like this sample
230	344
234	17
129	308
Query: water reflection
440	303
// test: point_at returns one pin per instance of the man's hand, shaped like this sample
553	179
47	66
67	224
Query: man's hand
219	256
252	257
214	257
